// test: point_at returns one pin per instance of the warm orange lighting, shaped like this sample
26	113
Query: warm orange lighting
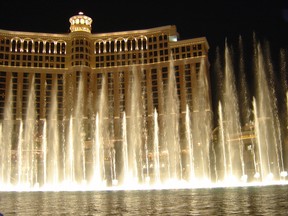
80	22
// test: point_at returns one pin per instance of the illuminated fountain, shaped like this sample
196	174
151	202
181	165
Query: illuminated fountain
252	145
167	150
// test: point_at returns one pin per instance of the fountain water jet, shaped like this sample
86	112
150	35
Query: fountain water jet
147	147
6	145
190	145
260	151
171	135
156	165
266	119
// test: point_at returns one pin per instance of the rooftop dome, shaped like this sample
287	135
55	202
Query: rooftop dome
80	22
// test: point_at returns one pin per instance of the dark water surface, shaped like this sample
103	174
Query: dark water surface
256	200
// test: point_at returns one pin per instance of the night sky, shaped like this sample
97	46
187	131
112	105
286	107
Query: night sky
215	20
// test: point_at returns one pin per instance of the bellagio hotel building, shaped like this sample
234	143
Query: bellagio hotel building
56	63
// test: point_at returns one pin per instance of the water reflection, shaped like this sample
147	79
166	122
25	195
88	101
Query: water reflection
268	200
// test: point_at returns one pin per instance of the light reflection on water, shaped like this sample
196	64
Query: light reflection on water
256	200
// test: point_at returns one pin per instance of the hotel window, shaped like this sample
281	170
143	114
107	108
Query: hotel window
197	69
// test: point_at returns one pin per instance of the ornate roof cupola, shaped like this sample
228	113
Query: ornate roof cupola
80	23
80	45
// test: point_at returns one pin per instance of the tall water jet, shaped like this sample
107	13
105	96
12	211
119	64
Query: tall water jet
19	153
245	111
69	171
6	141
266	123
190	145
134	128
125	155
156	155
201	122
233	146
242	90
101	136
284	107
222	144
171	133
52	141
44	151
79	134
27	174
114	177
98	155
146	166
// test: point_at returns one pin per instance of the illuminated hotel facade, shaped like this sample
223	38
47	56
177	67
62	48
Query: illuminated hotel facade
56	66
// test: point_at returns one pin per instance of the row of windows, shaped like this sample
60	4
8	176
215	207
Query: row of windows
30	64
38	47
81	59
59	47
120	79
183	52
40	58
139	55
80	42
125	46
103	60
99	76
32	60
130	59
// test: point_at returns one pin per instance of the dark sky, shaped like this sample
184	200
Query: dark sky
217	20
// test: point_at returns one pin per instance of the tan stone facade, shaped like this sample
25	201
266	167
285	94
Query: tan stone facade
52	65
56	59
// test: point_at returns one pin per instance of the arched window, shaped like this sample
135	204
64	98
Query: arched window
118	46
18	49
101	47
144	41
30	46
41	47
134	44
25	46
108	46
112	45
52	47
47	47
36	46
122	45
63	48
97	49
129	45
58	48
13	49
